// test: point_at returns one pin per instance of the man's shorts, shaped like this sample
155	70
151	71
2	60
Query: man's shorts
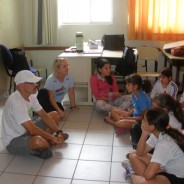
19	145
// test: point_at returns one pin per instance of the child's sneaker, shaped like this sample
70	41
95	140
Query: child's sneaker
129	170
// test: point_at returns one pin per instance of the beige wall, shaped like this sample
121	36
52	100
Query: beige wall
10	32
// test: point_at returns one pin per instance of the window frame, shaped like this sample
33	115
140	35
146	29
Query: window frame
90	22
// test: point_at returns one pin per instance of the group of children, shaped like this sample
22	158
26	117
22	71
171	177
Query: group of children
154	118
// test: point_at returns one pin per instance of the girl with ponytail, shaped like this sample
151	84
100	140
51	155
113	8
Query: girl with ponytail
166	165
173	107
124	119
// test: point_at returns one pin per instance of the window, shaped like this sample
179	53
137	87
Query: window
156	20
84	11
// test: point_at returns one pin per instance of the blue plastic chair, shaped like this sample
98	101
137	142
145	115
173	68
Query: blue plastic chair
7	59
8	56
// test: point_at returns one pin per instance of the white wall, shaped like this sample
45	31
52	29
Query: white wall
11	34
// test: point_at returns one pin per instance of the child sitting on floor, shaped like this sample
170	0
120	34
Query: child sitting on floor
105	89
165	84
165	166
171	106
140	101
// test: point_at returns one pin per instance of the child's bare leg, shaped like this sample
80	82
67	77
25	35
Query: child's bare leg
139	164
125	123
116	114
159	179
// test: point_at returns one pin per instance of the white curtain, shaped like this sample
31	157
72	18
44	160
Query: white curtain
49	22
30	26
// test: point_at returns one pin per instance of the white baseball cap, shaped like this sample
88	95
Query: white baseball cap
26	76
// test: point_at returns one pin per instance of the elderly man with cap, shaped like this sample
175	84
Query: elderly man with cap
20	134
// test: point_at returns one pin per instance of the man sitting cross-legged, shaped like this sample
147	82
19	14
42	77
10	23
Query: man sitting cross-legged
20	134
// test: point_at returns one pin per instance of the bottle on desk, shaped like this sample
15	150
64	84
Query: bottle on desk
79	42
125	52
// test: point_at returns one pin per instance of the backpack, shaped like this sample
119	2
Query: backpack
19	60
127	64
7	57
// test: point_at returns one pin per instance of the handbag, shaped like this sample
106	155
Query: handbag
113	42
178	51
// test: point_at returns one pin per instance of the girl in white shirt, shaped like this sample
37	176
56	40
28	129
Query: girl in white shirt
165	84
170	105
173	107
165	166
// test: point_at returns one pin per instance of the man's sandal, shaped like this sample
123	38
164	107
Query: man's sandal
65	135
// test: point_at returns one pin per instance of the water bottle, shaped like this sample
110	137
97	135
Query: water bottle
79	42
125	52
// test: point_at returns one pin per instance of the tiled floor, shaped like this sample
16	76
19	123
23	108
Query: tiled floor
91	155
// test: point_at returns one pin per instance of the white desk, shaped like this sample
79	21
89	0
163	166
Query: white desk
81	69
112	54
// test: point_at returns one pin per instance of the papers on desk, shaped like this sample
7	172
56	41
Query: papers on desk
70	49
92	44
87	50
99	50
173	44
112	54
